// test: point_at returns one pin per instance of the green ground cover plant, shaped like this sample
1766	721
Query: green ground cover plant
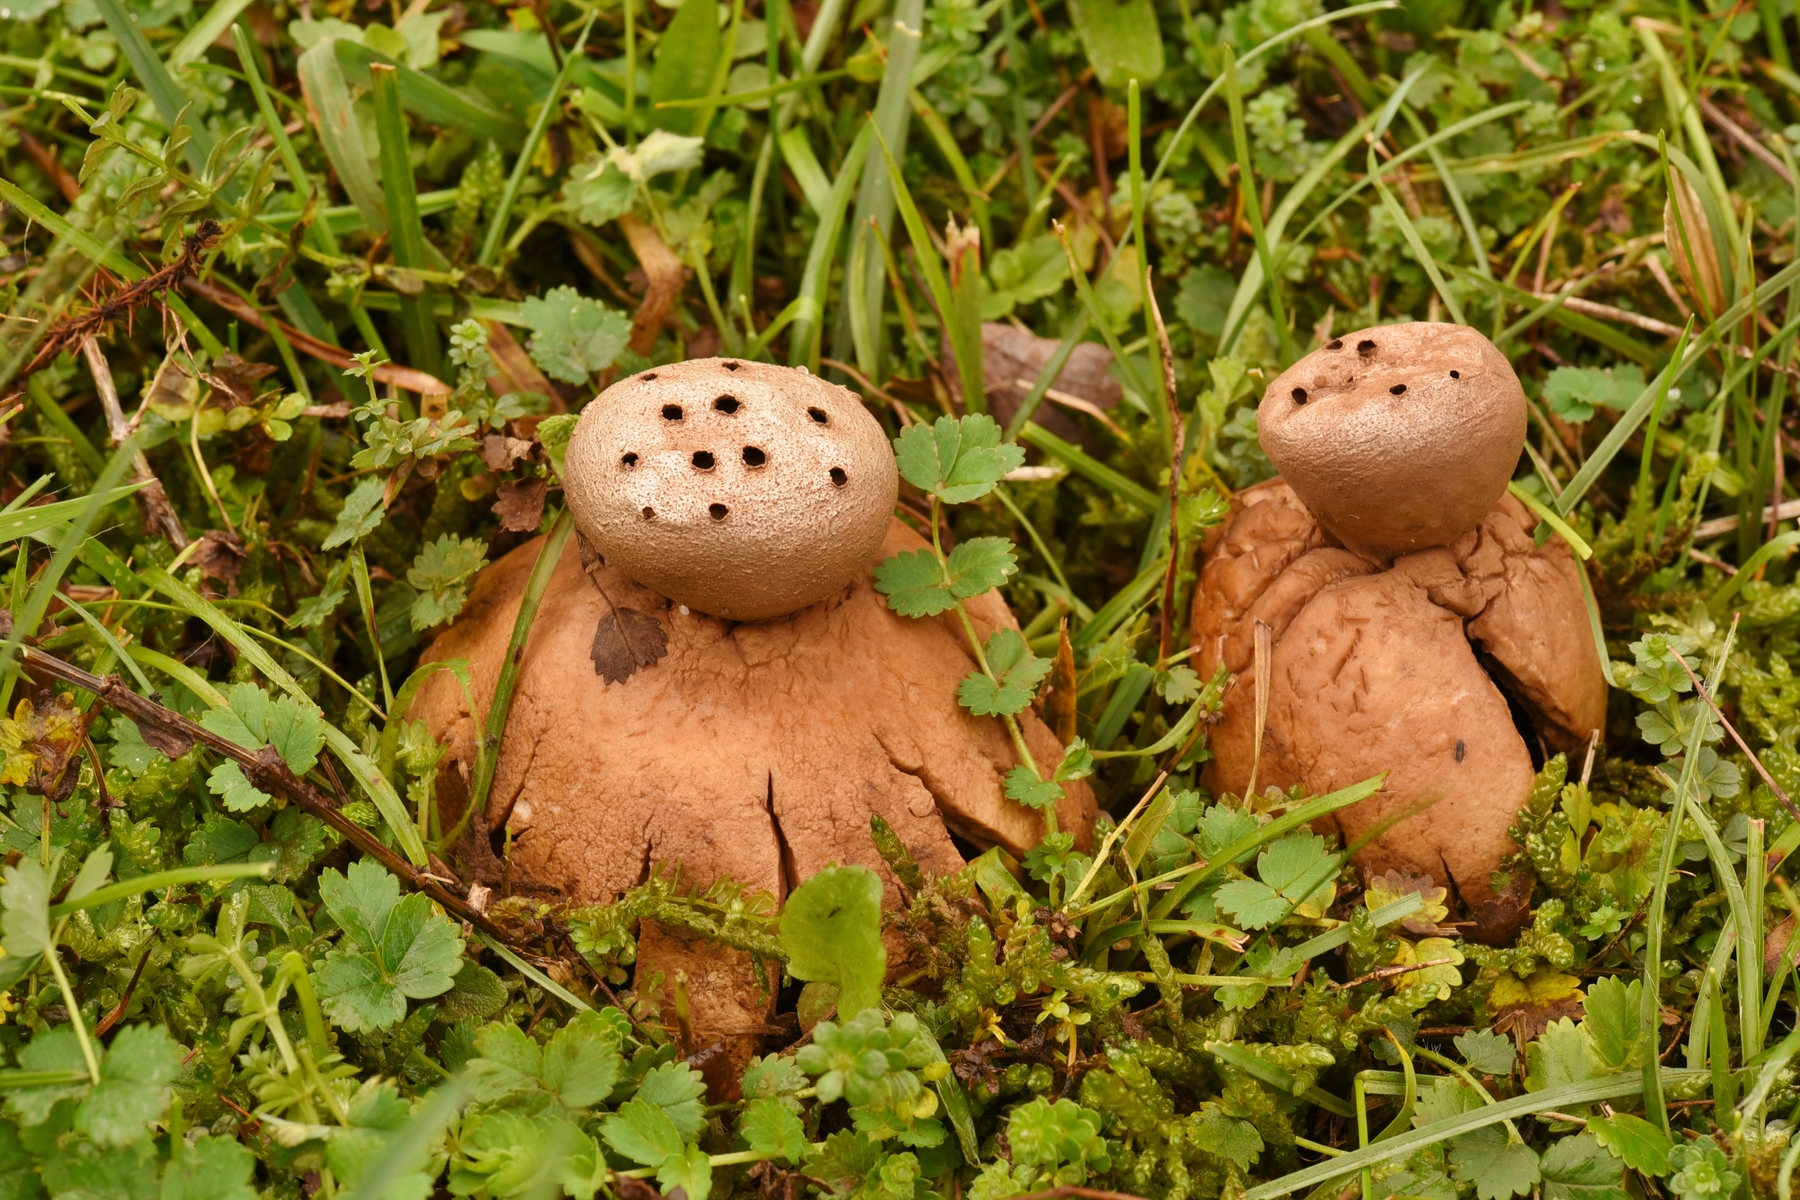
300	299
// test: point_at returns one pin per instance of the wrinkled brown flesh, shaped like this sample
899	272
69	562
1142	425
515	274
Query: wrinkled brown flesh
1375	671
756	751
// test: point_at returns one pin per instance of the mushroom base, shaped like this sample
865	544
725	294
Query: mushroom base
1434	670
755	751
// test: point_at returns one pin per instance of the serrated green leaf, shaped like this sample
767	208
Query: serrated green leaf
677	1089
582	1063
980	565
1499	1167
956	460
253	719
227	781
390	952
772	1075
26	898
134	1086
1016	675
1634	1141
1251	901
1558	1057
1578	1168
210	1168
361	515
1229	1138
913	581
642	1132
442	573
573	336
1027	789
772	1128
690	1171
1612	1023
1487	1052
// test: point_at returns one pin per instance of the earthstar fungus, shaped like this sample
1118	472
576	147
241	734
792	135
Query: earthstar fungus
786	703
1408	620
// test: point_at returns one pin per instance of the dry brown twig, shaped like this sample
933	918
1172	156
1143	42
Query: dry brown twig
1177	439
74	331
1741	744
159	515
173	734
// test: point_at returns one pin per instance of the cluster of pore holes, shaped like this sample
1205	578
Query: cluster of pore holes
703	460
1365	348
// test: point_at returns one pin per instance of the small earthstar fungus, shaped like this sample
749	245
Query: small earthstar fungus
1384	606
713	680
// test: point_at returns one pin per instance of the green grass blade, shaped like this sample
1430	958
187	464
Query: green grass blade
1613	1087
206	31
965	343
490	245
809	305
423	345
169	97
137	885
1089	468
368	776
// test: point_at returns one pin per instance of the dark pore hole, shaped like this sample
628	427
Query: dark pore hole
1456	374
630	460
731	366
726	405
1365	347
671	412
838	477
703	459
650	378
718	511
1399	389
818	414
1299	395
1335	344
649	513
753	457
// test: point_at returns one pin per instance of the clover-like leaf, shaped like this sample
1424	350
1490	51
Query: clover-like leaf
772	1129
956	460
572	335
980	565
392	950
1027	789
913	581
1015	674
361	514
441	574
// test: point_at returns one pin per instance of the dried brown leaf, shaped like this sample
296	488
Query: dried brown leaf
234	379
220	556
625	640
500	452
520	504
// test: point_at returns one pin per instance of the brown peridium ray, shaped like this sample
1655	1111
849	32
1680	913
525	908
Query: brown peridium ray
713	684
1412	624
